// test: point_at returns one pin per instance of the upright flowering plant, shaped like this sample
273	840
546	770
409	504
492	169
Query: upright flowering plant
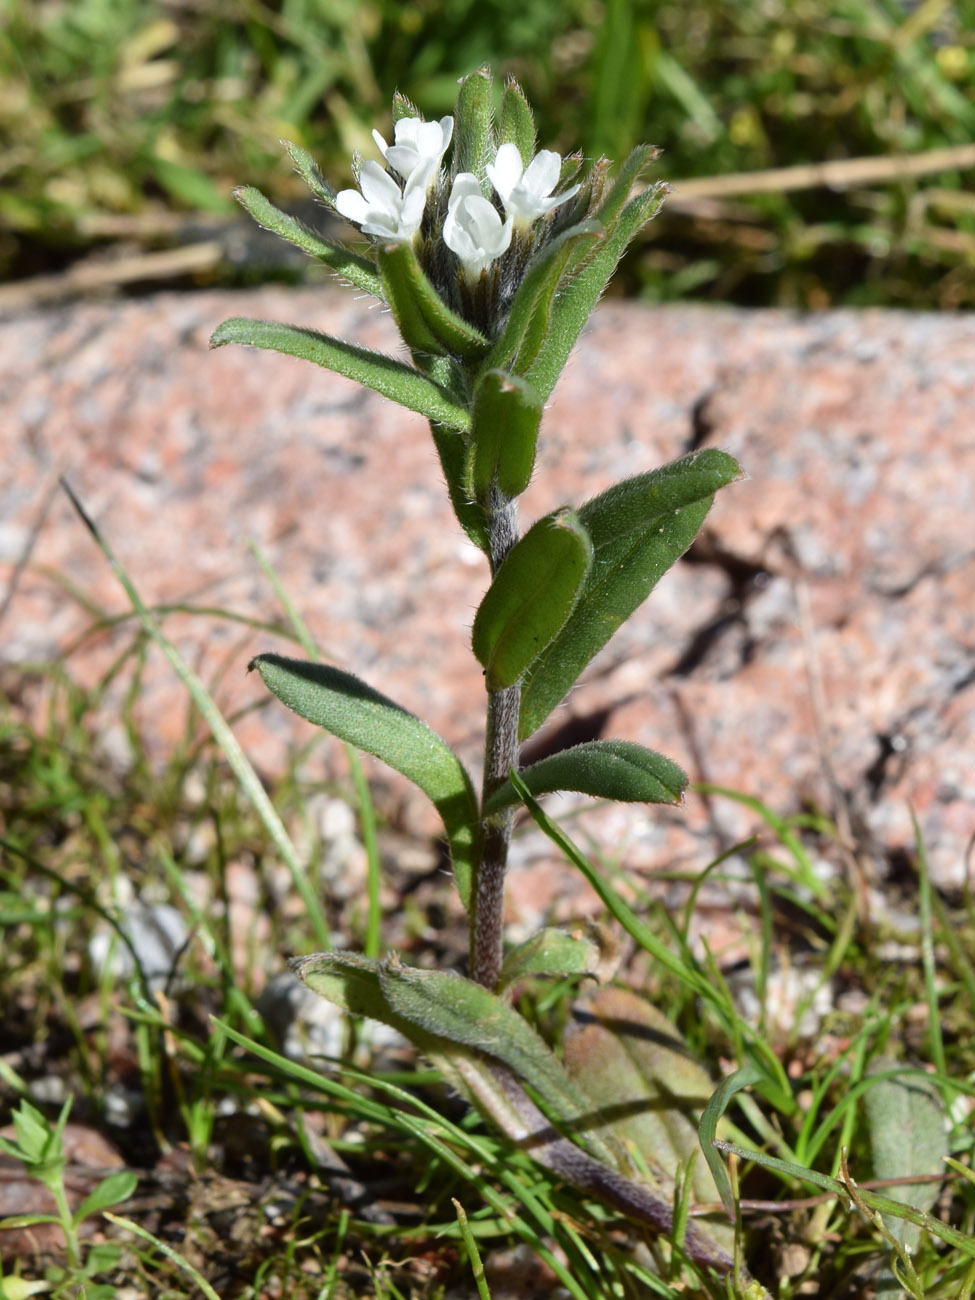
490	256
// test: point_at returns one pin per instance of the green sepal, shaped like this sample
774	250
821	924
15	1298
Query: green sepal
530	316
358	270
473	117
579	295
638	528
623	182
504	430
310	173
533	593
346	707
552	952
403	107
516	124
394	379
606	769
425	321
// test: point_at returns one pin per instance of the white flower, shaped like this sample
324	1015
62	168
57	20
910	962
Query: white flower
419	148
526	191
383	209
473	229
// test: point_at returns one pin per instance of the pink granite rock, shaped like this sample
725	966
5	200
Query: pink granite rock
817	644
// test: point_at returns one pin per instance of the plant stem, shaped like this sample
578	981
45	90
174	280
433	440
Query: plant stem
500	756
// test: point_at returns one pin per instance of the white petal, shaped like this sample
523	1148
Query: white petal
506	170
380	143
381	229
465	186
413	204
428	139
378	186
542	173
352	206
473	229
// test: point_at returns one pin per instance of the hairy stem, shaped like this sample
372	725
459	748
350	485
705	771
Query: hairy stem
500	756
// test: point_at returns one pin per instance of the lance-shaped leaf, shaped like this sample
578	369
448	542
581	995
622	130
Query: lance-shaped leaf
530	316
628	1057
359	985
374	370
346	979
504	430
348	708
463	1012
639	528
472	124
516	125
351	266
533	593
906	1119
553	952
605	769
580	294
425	321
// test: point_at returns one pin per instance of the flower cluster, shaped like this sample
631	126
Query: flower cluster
390	205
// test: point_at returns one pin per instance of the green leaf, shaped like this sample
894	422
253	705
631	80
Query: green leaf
577	298
466	1013
347	980
351	266
504	430
473	116
530	316
639	528
532	595
552	952
385	375
605	769
425	321
516	124
348	708
110	1191
906	1118
630	1060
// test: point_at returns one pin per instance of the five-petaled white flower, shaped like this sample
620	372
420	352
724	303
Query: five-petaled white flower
472	228
383	209
526	191
418	145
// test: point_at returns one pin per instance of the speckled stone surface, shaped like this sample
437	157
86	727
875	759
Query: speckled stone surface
817	645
